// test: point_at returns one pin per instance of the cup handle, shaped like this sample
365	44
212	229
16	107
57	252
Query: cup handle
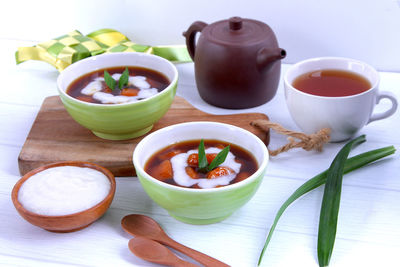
388	112
190	35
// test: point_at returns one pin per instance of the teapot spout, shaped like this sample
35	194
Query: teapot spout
266	57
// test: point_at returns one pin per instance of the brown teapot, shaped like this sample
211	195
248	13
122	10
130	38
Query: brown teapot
237	62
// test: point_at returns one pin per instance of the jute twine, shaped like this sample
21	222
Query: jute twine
308	142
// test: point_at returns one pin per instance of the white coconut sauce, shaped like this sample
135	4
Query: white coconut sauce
179	162
93	89
63	190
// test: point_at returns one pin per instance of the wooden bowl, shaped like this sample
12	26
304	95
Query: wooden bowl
71	222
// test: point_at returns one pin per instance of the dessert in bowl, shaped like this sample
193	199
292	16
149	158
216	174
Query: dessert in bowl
124	111
64	196
201	200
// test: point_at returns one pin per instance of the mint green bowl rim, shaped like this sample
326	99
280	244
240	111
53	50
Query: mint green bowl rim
255	176
77	64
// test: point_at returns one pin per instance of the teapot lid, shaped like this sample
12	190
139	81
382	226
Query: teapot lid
238	31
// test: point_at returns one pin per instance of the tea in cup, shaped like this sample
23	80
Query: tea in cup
336	93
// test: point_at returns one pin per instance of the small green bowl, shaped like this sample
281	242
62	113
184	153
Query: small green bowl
118	121
200	206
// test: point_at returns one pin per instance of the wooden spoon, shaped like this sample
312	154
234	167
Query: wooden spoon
153	251
144	226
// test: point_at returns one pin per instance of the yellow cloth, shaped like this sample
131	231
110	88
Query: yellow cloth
67	49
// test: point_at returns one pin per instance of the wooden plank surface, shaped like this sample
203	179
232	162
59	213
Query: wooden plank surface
55	136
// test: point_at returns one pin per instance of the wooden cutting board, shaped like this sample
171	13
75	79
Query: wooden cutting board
55	136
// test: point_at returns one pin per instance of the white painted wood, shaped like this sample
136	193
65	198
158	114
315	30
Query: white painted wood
367	235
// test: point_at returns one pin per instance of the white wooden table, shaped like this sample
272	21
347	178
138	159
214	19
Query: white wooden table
368	231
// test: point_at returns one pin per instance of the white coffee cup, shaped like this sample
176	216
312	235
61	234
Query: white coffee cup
344	115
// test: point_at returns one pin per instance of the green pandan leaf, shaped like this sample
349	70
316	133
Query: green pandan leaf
203	163
331	202
109	80
219	159
124	79
351	164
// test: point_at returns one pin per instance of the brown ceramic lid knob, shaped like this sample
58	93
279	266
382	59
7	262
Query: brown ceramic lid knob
235	23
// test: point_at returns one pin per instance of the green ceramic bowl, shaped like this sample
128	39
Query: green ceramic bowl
118	121
200	206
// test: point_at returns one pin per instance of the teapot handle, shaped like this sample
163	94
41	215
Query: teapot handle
190	35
